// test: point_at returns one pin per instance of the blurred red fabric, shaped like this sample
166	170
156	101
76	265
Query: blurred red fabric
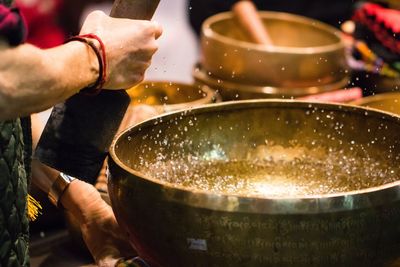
12	25
42	22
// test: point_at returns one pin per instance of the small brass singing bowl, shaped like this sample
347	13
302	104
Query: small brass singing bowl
169	96
260	183
305	52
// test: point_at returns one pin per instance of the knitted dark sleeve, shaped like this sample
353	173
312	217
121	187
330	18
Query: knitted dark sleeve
12	25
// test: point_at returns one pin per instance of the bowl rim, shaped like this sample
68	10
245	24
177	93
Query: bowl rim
365	101
207	32
306	204
201	75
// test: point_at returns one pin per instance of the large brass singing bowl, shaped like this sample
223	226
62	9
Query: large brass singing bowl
261	183
305	52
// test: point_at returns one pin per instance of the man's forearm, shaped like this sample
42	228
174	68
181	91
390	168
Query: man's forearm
32	79
44	177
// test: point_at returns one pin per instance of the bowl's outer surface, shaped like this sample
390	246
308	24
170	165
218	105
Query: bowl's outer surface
171	225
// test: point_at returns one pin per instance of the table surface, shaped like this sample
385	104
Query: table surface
55	248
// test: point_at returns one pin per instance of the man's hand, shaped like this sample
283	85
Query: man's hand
130	45
53	75
100	230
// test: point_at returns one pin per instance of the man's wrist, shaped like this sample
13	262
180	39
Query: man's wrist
93	41
80	61
58	188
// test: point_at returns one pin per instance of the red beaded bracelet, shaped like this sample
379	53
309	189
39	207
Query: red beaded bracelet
101	57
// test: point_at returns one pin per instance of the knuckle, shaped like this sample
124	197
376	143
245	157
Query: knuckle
96	14
140	77
150	28
152	47
146	65
148	31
